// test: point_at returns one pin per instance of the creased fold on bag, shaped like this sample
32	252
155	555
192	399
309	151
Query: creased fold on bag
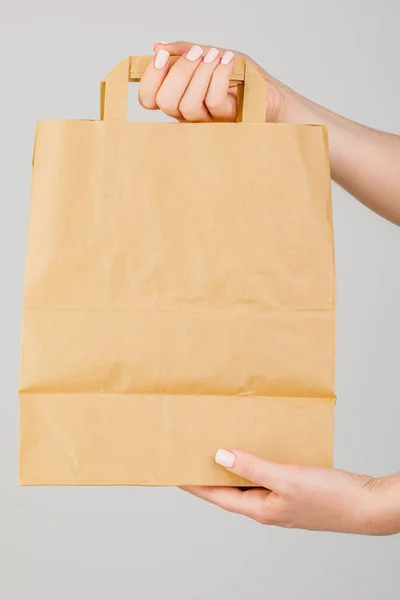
179	296
96	439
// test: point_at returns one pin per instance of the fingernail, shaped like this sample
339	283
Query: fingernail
225	458
211	55
158	42
161	59
227	57
194	53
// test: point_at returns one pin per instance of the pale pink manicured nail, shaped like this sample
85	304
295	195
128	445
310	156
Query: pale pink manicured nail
225	458
158	42
194	53
161	59
211	55
227	57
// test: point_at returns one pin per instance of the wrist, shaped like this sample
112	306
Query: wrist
382	506
295	108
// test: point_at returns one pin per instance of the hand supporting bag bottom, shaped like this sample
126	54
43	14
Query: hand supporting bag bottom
179	295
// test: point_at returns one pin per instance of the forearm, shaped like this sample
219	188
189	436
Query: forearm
364	161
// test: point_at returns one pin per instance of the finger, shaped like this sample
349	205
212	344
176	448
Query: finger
177	80
180	48
152	79
219	102
270	475
192	105
250	503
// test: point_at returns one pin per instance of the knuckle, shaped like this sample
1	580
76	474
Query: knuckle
280	517
147	102
185	109
165	104
189	110
262	518
213	103
248	473
285	522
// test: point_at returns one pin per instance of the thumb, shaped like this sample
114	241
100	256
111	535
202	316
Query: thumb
178	48
267	474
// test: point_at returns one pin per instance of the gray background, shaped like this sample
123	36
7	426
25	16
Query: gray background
116	543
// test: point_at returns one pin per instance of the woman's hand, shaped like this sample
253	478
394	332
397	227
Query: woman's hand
307	497
196	88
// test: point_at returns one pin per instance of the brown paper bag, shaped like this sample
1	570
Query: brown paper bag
179	295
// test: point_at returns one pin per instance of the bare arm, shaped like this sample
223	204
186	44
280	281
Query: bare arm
308	497
364	161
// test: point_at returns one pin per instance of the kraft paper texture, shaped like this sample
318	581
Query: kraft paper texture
179	295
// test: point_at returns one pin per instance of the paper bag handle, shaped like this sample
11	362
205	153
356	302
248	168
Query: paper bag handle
252	88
